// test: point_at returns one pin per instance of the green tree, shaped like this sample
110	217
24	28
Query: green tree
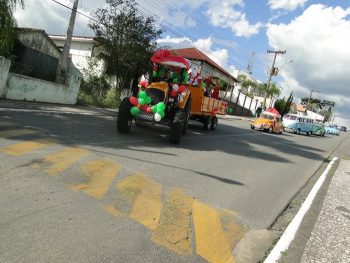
312	104
129	39
7	25
283	106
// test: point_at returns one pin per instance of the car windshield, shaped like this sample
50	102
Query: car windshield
266	116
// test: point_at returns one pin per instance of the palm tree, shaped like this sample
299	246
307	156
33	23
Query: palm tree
7	25
246	83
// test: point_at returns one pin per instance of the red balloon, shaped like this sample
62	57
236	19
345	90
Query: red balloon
173	93
134	101
149	109
182	89
143	83
144	107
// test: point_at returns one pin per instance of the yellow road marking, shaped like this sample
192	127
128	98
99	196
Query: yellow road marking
5	124
210	238
113	211
19	132
101	174
62	160
145	196
173	231
233	231
22	148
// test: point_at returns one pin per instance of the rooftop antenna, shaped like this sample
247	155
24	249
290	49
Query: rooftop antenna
250	63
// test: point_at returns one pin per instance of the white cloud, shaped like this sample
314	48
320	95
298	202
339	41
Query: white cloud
52	17
318	41
286	4
226	14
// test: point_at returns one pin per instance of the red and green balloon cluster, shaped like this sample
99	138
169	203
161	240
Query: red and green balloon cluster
142	103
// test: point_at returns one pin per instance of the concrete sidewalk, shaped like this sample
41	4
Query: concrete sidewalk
323	234
52	107
232	117
330	238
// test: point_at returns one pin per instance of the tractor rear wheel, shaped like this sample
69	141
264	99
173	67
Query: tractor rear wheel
214	123
124	116
188	113
177	125
206	122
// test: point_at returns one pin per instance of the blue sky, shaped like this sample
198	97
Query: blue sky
315	34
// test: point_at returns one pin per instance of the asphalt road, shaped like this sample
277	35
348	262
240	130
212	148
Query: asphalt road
74	190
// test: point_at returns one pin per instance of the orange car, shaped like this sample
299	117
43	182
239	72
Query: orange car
268	122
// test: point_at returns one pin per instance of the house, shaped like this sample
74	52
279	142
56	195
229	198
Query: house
35	54
298	109
31	73
82	49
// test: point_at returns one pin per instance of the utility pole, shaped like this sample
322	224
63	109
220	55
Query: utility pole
272	71
63	61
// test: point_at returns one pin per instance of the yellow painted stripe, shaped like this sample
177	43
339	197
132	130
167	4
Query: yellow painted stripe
101	174
173	230
5	124
22	148
233	230
19	132
210	238
113	211
145	197
62	160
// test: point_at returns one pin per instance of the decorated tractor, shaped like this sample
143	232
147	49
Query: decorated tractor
170	99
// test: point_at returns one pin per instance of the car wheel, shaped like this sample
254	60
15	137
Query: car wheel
270	130
298	131
252	127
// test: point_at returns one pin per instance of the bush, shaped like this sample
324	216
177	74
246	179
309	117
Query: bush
110	100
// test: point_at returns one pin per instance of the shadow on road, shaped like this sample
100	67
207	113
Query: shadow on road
98	133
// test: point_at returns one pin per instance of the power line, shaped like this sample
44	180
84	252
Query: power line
167	27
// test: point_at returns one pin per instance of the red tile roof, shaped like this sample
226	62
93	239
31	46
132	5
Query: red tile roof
196	54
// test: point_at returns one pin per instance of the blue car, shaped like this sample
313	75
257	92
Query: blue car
331	130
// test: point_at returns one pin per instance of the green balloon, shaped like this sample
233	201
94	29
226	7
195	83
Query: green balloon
204	85
155	74
161	113
134	111
148	100
161	73
229	110
154	108
161	106
141	101
175	81
143	95
186	79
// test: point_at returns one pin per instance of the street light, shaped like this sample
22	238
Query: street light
290	61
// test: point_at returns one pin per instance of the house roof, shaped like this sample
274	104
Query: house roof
301	108
196	54
28	29
78	38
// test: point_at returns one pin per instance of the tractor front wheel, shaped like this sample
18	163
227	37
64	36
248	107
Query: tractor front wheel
124	116
177	125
